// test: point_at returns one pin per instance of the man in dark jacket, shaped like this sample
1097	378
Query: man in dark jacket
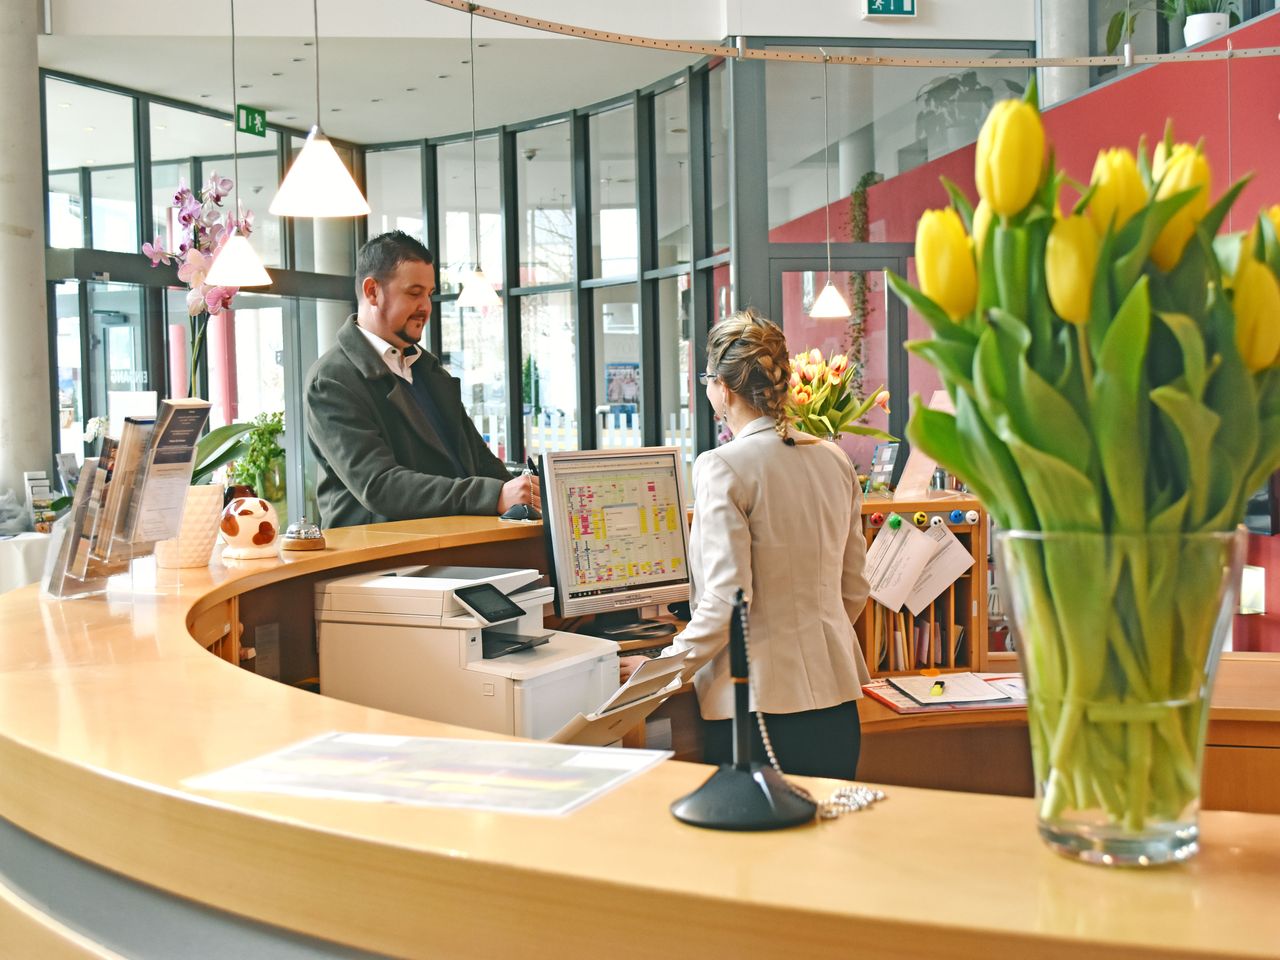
385	420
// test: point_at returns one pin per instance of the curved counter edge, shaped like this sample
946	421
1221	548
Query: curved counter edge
107	705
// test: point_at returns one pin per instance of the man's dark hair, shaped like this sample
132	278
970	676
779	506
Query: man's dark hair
380	257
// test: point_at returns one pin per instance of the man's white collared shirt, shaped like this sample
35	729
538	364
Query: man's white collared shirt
397	361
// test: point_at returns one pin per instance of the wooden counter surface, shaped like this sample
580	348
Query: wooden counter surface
108	704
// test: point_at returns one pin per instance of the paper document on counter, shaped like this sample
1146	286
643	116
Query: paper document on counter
649	678
948	688
895	560
946	566
503	776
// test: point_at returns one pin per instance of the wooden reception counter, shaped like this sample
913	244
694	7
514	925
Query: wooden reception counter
107	705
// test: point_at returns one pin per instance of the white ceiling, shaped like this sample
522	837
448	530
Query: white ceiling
371	90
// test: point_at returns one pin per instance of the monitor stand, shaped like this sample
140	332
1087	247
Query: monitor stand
627	625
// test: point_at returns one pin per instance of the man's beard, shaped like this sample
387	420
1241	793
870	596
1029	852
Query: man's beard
404	335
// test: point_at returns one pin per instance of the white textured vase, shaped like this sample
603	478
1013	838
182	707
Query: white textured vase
193	546
1200	27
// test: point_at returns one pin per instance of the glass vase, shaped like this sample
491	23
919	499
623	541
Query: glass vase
1119	637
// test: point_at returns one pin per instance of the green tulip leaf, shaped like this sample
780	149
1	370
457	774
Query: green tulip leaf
1196	426
960	202
936	434
1134	241
1170	518
933	314
1117	419
1101	309
1211	222
1227	247
1001	474
953	361
1039	315
1191	341
1063	497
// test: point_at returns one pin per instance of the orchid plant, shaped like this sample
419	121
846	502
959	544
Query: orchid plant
200	229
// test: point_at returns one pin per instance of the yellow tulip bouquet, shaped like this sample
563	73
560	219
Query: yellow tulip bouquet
1112	371
821	397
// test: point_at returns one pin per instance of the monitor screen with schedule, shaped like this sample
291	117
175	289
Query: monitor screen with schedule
617	529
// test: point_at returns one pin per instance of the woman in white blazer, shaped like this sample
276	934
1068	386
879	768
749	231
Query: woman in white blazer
778	515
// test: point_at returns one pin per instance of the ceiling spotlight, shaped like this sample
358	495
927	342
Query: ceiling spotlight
375	100
205	96
410	89
246	86
161	126
442	76
277	73
298	59
64	106
88	129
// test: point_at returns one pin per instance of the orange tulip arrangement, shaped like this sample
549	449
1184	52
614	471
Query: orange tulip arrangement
822	401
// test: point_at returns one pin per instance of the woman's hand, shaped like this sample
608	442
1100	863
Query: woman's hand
627	666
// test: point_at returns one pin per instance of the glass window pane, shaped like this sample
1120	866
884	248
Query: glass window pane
474	350
676	368
614	227
66	211
671	155
545	191
324	244
70	377
718	120
245	347
189	147
549	373
619	392
457	204
394	180
90	129
883	122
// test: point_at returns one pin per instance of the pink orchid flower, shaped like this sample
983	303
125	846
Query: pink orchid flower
194	268
218	299
195	301
218	187
156	253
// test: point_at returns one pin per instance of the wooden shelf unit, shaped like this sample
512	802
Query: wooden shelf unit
962	606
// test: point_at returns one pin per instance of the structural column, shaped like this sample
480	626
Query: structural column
334	254
26	419
1063	28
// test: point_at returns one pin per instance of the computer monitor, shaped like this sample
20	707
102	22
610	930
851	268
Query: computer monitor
617	534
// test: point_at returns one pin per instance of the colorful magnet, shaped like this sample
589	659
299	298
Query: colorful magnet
877	519
971	516
935	521
957	516
895	521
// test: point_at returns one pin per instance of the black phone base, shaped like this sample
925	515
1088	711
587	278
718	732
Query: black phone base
736	799
626	625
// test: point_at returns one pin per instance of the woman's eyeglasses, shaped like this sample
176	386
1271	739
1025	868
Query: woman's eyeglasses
705	378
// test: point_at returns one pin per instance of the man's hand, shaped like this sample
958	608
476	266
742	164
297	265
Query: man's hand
525	489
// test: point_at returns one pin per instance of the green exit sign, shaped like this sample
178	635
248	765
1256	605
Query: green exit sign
889	8
251	120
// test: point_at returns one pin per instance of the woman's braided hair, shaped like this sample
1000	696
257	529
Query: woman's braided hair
748	354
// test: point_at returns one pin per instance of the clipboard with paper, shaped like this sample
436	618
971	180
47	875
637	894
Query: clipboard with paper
651	683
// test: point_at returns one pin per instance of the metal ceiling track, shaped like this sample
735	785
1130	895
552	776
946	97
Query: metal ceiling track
745	53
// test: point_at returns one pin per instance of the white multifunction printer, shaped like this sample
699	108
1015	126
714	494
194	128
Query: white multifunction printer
462	645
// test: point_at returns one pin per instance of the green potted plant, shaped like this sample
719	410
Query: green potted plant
952	108
1202	19
259	458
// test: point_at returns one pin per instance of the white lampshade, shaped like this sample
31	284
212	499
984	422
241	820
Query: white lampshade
477	291
318	185
237	265
829	305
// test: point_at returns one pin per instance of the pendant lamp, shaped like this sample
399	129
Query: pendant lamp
477	291
318	185
237	264
828	305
